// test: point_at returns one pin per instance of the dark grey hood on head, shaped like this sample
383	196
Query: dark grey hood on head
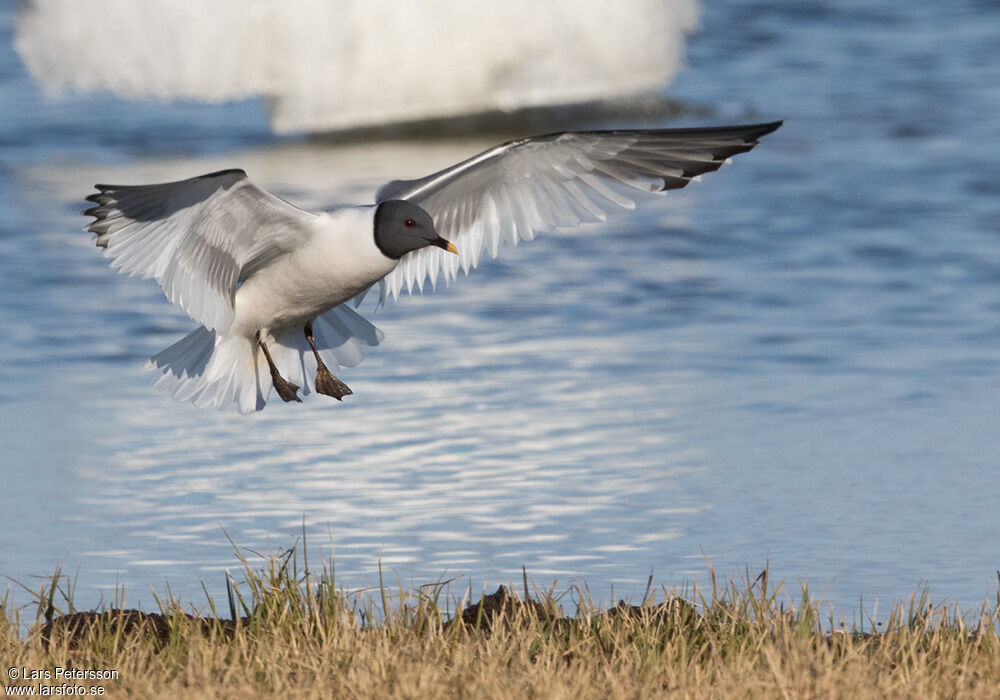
402	227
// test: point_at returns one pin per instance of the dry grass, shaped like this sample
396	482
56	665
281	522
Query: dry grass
288	632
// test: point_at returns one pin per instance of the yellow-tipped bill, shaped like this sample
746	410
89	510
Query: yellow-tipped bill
446	245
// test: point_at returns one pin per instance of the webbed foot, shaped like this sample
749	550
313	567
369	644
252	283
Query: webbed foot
328	384
286	390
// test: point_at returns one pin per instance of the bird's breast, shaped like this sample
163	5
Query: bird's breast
338	262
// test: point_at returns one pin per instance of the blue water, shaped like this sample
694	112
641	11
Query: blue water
794	362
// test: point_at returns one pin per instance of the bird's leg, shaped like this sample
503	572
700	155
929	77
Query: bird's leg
286	390
326	383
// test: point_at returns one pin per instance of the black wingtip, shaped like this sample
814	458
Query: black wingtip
768	127
239	172
750	133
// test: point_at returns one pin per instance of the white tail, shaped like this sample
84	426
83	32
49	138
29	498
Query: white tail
210	370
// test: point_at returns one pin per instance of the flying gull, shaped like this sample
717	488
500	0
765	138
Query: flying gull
272	285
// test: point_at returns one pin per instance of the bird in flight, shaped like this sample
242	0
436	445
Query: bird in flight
271	285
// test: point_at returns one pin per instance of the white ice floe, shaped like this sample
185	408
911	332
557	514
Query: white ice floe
325	65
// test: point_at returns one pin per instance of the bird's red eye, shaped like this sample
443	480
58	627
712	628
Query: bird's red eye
409	223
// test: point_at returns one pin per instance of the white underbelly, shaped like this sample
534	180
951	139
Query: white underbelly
338	263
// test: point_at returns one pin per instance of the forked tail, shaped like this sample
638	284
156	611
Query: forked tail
211	370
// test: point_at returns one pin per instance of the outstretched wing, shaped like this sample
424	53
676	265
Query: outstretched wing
520	188
198	238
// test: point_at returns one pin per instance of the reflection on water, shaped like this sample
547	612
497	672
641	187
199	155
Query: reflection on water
794	361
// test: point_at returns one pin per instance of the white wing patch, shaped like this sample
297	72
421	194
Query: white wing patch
199	238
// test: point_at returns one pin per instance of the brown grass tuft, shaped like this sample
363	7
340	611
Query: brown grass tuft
291	633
